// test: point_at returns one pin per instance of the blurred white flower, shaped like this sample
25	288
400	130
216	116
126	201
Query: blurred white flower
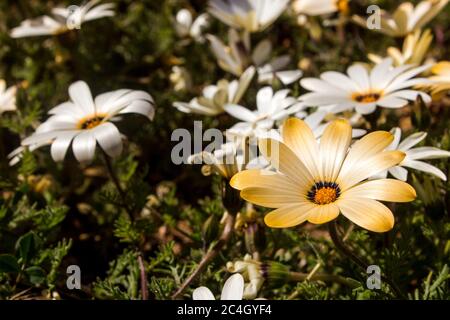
238	55
270	108
406	18
185	26
414	155
63	20
180	78
214	97
249	15
83	122
7	97
232	290
251	271
383	86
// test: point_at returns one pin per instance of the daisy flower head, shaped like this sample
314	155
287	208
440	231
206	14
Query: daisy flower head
406	18
186	26
316	181
83	122
249	15
7	97
270	107
413	156
238	55
384	86
233	289
215	97
63	20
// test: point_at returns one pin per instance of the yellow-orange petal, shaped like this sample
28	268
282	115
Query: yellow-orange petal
383	189
334	146
260	178
367	213
288	216
323	213
272	197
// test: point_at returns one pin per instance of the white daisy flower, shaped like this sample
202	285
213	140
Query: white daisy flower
7	97
233	289
63	20
83	122
383	86
414	156
214	97
406	18
238	55
185	26
270	108
250	15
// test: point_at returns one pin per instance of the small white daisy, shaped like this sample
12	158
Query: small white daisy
318	7
271	107
83	122
414	155
233	289
250	15
238	55
215	97
7	97
63	20
384	86
185	26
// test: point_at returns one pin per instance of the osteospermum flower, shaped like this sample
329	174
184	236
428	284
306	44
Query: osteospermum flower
63	20
83	122
250	15
406	18
238	55
414	50
383	86
186	26
316	181
413	156
215	97
233	289
270	108
7	97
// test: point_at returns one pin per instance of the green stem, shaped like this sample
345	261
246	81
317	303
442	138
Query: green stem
341	247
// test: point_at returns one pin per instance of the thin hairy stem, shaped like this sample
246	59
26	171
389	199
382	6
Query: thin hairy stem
341	247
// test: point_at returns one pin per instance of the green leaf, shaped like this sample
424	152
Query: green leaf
8	263
36	275
26	246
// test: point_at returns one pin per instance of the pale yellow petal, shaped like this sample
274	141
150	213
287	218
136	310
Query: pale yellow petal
286	161
260	178
334	146
367	213
272	197
299	137
366	147
289	216
323	213
383	189
369	167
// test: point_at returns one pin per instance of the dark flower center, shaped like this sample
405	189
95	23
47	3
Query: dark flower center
324	193
92	122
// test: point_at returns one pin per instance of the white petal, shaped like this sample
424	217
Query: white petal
81	95
84	146
109	139
399	172
425	167
202	293
240	112
59	147
411	141
423	153
233	288
263	99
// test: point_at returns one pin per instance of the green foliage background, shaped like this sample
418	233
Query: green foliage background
57	214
